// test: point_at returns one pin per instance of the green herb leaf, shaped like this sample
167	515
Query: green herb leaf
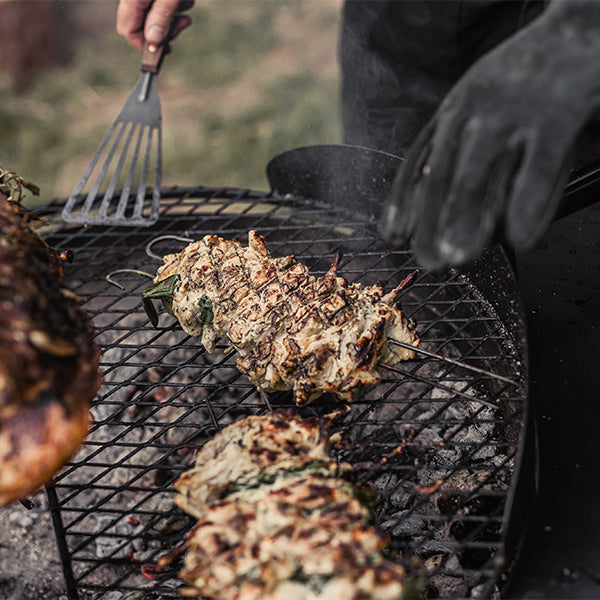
161	290
206	314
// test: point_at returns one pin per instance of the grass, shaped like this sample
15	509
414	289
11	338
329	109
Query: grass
248	80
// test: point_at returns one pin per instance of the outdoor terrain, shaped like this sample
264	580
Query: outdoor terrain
248	80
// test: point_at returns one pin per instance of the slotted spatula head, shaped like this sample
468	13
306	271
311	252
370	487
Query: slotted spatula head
129	159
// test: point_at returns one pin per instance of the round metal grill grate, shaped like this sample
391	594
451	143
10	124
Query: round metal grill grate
439	443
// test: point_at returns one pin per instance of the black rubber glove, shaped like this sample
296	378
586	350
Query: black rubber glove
496	155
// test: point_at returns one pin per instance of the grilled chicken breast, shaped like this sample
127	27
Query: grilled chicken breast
293	331
256	450
277	518
49	363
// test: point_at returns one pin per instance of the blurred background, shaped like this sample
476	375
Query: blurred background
248	80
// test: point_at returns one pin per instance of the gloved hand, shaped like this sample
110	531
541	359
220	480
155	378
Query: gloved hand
496	155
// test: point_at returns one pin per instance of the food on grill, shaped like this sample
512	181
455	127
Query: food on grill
48	360
278	518
292	330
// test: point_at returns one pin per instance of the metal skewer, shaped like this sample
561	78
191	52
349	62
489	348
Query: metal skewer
264	397
160	238
437	384
109	277
452	361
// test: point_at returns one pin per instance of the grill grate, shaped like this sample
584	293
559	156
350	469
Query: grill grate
445	464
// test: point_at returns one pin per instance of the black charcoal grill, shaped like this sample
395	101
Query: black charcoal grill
443	446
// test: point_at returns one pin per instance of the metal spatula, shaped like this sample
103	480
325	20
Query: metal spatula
129	158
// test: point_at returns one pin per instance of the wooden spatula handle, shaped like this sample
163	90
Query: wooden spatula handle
151	60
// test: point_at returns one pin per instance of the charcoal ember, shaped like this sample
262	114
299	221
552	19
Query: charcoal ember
443	449
112	595
404	524
21	518
480	591
110	536
446	586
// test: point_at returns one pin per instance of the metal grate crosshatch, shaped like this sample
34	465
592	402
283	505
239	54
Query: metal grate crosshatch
439	443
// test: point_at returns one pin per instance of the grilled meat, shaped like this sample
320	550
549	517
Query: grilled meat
253	451
279	519
48	360
293	331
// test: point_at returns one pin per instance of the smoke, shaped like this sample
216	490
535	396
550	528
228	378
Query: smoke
350	178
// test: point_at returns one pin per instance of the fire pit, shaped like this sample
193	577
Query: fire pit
442	445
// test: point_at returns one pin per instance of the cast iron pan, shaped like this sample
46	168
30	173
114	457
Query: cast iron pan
361	178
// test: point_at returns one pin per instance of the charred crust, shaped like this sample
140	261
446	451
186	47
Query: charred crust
367	349
47	352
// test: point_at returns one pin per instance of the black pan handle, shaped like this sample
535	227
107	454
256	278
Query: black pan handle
582	190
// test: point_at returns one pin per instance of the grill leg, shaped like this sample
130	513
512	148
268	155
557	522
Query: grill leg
61	541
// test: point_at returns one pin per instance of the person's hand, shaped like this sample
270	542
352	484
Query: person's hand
495	157
151	20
